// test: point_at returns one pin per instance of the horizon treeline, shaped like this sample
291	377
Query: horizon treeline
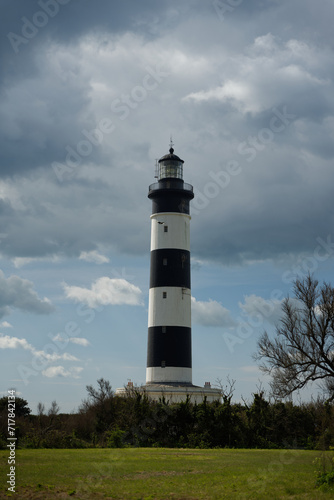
106	420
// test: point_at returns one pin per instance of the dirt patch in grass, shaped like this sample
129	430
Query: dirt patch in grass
30	493
40	494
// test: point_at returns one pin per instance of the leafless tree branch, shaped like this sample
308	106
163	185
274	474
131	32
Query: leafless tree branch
303	349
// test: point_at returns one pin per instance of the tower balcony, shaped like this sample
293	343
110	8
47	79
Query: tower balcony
170	184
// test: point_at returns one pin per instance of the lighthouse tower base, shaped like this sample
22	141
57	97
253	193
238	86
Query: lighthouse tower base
175	393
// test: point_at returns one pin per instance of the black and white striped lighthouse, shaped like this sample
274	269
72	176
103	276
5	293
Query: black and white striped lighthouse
169	365
169	311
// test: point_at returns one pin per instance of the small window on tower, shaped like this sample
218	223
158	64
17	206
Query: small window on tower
166	229
163	364
164	329
164	295
164	262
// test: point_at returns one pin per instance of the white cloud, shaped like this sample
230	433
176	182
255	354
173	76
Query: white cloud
265	44
94	256
23	261
80	341
60	371
265	74
75	371
10	194
210	313
5	324
75	340
7	342
229	90
56	371
106	291
18	293
267	310
55	357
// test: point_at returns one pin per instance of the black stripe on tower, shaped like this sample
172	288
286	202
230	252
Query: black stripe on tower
170	196
170	267
169	346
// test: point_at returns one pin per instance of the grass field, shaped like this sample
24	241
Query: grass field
150	473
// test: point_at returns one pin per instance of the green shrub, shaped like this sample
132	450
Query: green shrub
115	438
325	469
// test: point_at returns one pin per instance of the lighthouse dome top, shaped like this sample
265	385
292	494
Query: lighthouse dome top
171	157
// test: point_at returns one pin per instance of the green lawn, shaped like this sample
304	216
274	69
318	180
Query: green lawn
150	473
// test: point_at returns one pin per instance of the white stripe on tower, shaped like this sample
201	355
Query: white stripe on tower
175	310
175	236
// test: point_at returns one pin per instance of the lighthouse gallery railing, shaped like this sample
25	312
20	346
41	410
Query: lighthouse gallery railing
171	185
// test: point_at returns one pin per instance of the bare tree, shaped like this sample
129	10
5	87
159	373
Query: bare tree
303	349
227	390
102	393
40	409
54	409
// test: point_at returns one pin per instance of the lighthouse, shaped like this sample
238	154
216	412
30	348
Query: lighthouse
169	346
169	310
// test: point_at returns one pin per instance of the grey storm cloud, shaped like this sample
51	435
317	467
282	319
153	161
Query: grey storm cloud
44	101
49	221
18	293
69	19
216	85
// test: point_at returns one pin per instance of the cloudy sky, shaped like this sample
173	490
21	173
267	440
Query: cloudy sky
90	95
